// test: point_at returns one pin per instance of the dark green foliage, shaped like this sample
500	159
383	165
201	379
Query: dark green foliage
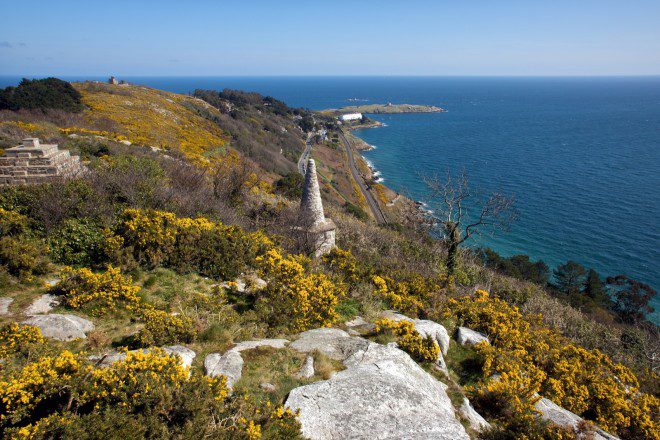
290	185
570	278
631	298
517	266
88	148
356	211
41	94
595	289
78	242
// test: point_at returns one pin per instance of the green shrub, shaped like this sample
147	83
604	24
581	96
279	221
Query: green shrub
42	94
23	257
290	185
356	211
78	243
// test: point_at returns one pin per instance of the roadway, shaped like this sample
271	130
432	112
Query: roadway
302	162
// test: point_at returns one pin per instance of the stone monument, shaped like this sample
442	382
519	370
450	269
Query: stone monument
318	231
33	162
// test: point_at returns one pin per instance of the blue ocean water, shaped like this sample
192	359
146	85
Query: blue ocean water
581	155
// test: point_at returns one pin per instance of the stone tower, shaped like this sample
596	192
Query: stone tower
33	162
318	231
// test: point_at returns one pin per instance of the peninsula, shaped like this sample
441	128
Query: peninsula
388	108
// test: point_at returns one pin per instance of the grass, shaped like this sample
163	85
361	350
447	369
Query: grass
464	364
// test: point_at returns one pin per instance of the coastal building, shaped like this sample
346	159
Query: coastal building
350	117
113	81
317	231
33	162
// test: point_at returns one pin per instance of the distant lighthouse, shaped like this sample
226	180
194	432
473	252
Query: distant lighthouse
318	231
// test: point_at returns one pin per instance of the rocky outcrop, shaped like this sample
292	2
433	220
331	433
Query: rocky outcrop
333	342
473	418
44	304
358	326
249	345
4	306
61	327
465	336
229	365
425	328
307	369
550	411
383	394
186	355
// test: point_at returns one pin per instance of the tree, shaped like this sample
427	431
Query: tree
570	278
454	201
47	93
631	298
595	289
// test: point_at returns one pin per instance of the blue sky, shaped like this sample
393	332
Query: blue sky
360	37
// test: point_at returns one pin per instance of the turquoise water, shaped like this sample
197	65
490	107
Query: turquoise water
581	155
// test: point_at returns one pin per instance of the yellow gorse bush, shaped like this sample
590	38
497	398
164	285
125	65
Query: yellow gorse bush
70	385
297	299
160	238
16	337
409	340
397	295
101	293
12	223
162	328
530	358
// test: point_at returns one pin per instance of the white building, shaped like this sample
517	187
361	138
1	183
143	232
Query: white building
351	117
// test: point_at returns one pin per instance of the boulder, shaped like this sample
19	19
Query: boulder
474	419
465	336
435	331
186	355
4	306
333	342
307	369
229	364
383	394
249	345
61	327
44	304
425	328
550	411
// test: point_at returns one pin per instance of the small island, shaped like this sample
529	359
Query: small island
388	108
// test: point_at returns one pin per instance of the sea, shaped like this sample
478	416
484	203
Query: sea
581	155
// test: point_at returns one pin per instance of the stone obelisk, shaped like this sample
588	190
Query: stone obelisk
319	232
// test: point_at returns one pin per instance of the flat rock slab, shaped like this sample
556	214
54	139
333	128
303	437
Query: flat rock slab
44	304
250	345
229	365
333	342
61	327
4	306
466	336
559	416
383	394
